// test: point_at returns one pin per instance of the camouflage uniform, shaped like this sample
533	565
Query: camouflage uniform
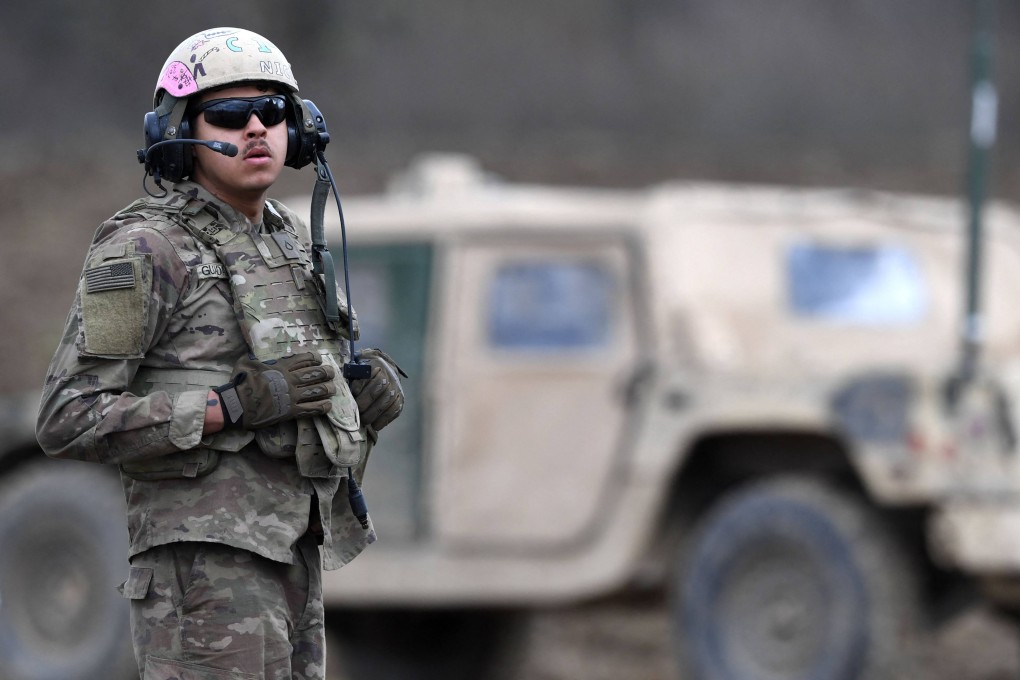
133	393
188	625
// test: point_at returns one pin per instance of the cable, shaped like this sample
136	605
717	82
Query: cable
353	370
357	500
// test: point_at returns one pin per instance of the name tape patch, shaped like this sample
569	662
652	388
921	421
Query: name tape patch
110	277
209	270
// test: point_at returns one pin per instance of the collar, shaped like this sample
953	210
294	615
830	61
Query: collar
198	197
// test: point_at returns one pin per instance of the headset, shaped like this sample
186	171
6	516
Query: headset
168	130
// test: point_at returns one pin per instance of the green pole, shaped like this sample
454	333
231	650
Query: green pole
984	112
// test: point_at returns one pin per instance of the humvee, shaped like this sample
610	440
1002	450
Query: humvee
747	397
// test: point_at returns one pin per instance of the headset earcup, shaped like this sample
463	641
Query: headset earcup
175	159
153	133
172	161
304	140
152	130
295	140
186	152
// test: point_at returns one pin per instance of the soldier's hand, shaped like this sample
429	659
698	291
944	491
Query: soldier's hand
264	393
380	397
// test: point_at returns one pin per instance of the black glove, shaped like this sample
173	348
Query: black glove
380	397
264	393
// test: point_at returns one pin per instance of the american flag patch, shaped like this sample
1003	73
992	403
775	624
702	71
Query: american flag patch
110	277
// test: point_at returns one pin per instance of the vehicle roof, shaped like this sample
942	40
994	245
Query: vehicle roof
449	193
711	292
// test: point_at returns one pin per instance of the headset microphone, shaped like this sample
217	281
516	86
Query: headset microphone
225	148
145	155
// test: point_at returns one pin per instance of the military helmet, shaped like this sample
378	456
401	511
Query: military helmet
218	57
215	58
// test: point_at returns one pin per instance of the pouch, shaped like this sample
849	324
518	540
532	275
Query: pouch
188	464
184	464
340	429
136	587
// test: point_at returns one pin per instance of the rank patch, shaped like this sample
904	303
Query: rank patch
110	277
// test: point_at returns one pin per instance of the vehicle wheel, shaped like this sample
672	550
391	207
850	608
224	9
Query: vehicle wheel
425	645
64	550
790	579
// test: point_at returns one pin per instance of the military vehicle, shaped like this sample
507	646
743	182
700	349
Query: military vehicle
749	397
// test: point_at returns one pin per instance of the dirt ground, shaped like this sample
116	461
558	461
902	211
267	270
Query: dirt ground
630	641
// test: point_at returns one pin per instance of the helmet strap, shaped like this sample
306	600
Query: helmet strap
173	109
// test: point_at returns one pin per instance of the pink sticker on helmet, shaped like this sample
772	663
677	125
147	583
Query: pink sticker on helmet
178	81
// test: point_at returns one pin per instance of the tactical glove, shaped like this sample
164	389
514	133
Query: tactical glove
264	393
380	397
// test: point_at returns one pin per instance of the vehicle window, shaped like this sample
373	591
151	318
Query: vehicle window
390	287
550	305
373	303
867	285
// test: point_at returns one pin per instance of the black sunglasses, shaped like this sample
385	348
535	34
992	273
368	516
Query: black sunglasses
233	113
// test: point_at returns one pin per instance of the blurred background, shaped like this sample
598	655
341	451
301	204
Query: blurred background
603	92
625	93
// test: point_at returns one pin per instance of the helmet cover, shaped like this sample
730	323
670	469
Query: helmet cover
222	56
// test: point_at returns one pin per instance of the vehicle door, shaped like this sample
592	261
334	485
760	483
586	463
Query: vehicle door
537	339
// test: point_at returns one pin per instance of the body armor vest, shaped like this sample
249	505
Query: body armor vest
278	302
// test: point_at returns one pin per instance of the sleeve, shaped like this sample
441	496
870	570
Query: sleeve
128	290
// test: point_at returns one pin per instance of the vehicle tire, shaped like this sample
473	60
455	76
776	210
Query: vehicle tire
790	579
425	644
64	550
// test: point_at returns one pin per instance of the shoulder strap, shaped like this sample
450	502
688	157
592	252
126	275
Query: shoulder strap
281	218
191	213
204	224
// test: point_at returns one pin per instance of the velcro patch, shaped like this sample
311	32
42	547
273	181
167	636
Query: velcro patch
287	245
114	305
263	248
110	277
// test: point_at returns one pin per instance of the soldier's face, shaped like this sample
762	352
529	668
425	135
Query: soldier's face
262	150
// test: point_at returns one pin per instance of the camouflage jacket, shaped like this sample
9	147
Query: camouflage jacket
171	304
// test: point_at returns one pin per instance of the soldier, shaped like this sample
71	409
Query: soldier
198	359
